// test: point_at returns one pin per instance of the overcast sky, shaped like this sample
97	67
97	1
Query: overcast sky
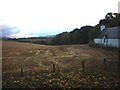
23	18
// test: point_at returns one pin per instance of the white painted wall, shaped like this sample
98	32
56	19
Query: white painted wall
114	42
98	41
109	42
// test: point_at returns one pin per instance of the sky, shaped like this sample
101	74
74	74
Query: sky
28	18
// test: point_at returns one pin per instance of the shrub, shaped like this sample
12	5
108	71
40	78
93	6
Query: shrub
91	43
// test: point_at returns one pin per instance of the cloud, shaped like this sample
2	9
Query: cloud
7	31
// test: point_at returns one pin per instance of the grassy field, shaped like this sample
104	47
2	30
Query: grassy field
65	66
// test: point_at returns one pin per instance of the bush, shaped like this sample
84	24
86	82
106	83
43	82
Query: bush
92	44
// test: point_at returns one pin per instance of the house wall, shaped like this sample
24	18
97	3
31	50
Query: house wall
114	42
98	41
108	42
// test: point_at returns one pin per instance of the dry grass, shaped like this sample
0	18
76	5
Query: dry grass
36	59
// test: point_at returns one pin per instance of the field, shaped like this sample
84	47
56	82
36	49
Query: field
27	65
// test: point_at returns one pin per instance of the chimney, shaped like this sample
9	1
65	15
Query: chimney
102	27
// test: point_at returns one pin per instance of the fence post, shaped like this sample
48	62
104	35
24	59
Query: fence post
21	72
104	60
104	63
53	67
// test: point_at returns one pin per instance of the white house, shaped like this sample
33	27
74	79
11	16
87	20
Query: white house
109	36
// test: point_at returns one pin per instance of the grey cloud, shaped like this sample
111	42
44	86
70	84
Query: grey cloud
6	30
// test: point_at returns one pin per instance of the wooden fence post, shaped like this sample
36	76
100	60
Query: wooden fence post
104	63
104	60
53	67
21	72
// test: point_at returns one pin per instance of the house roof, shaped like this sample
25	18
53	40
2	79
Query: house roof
111	33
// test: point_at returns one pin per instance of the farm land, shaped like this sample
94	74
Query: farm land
27	65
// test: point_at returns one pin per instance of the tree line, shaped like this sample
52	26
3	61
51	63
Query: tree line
77	36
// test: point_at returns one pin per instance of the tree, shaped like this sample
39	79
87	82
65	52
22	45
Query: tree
94	32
